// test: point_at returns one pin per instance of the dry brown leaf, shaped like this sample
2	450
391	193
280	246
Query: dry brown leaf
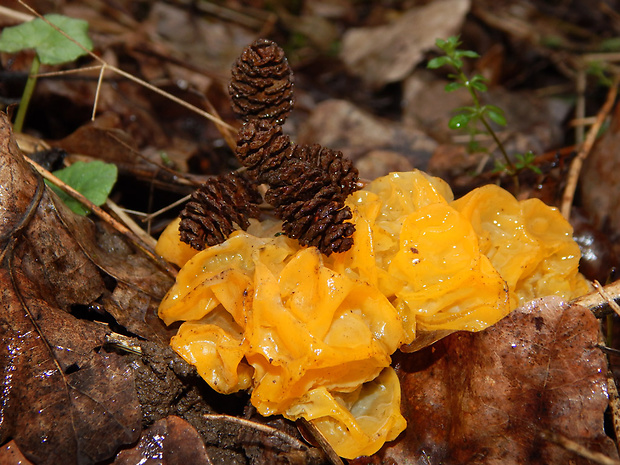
384	54
487	398
169	441
61	392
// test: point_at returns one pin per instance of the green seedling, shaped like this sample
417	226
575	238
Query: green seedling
51	48
94	180
522	162
469	117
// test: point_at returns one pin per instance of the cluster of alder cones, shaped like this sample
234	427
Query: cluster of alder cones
307	184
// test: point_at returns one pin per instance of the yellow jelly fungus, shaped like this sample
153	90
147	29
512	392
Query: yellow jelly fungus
529	243
170	246
312	336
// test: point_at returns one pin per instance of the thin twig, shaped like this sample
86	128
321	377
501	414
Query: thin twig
575	167
609	351
227	133
289	440
169	96
586	121
320	439
609	56
177	175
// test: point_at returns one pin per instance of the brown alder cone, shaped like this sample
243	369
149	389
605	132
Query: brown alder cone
217	208
307	185
263	150
340	170
262	83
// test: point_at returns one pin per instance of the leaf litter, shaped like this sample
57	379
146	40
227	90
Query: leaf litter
61	393
103	278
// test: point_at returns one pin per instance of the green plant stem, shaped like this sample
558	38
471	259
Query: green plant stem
499	144
464	79
27	94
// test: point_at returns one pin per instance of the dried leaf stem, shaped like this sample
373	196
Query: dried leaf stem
584	151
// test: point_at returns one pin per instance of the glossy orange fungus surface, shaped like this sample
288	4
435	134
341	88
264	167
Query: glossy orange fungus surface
312	336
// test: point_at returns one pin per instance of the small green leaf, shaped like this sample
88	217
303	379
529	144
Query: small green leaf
437	62
478	83
466	53
452	86
470	54
495	108
50	45
526	161
479	86
471	111
94	180
496	115
453	41
459	121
